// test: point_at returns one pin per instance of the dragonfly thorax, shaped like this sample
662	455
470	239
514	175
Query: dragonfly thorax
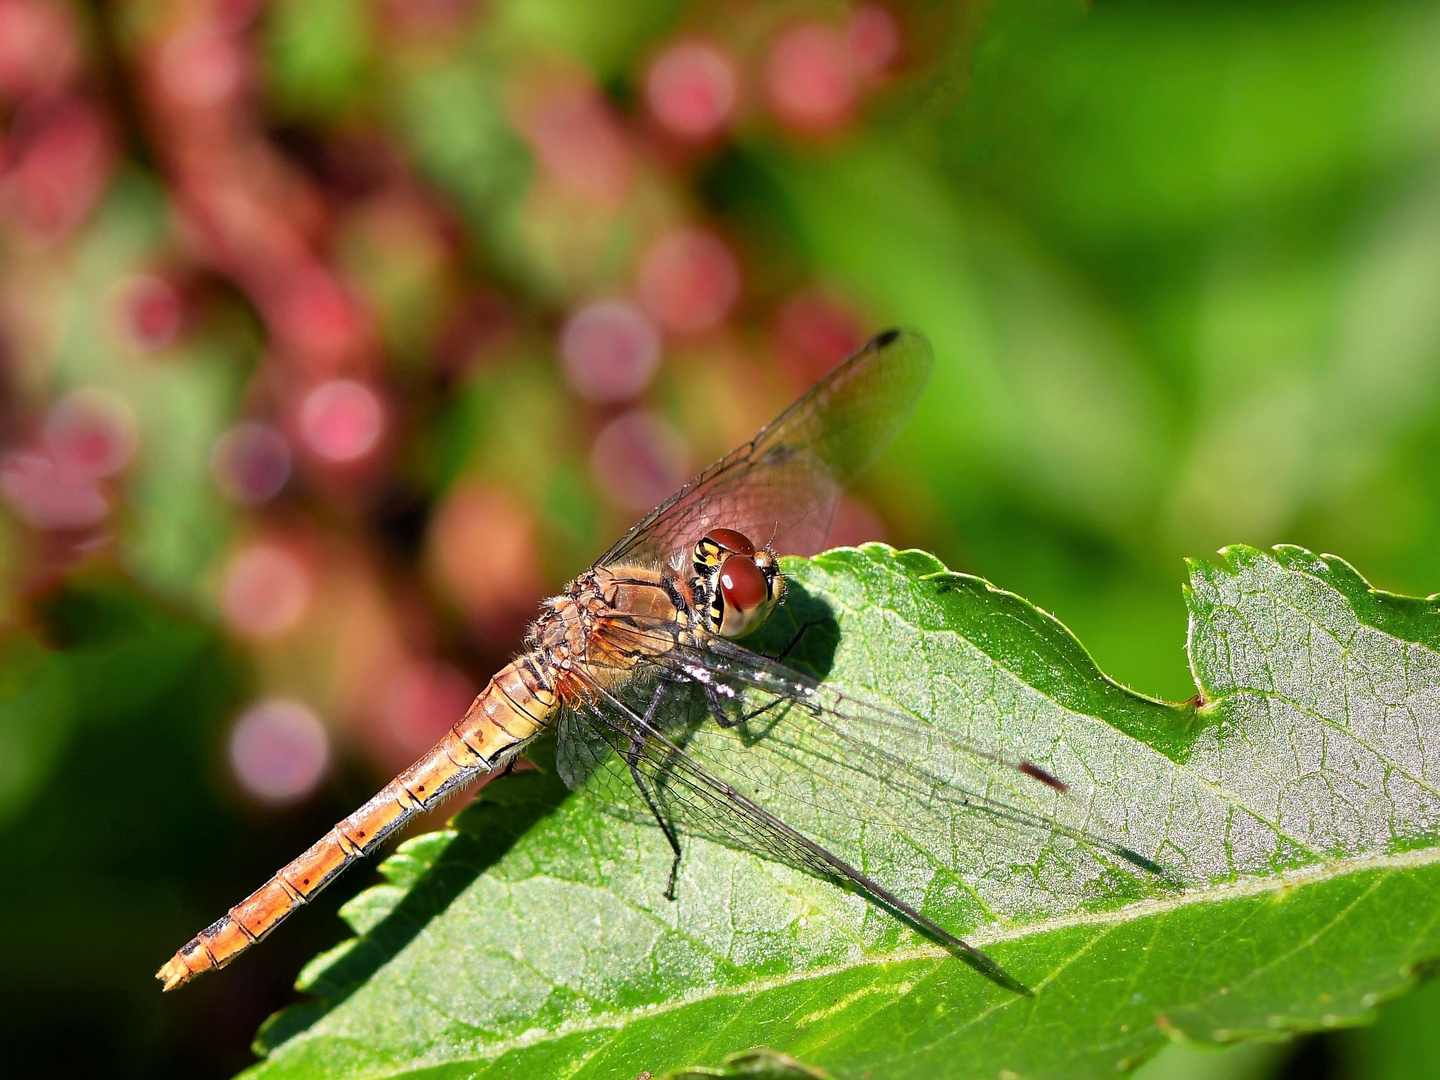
606	621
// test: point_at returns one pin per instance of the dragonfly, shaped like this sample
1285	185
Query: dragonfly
638	667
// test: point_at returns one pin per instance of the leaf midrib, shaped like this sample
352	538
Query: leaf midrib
987	937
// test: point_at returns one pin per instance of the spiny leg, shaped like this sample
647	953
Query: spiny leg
717	706
632	758
800	633
782	841
717	709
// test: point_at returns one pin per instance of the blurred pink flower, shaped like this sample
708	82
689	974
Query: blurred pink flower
251	463
91	431
63	155
422	701
239	204
425	19
638	460
342	420
855	523
49	495
812	334
148	312
232	15
39	50
278	751
873	37
202	67
578	139
610	351
267	590
689	281
485	547
315	312
691	89
809	79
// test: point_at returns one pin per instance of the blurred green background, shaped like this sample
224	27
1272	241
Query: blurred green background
335	332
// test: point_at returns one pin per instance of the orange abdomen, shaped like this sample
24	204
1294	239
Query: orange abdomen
513	708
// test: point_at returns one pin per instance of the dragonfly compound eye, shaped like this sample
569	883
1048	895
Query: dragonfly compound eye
716	545
737	543
747	594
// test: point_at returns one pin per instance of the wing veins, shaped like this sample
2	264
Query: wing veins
784	840
768	676
796	466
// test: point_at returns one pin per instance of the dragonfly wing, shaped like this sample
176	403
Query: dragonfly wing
931	760
650	771
787	480
906	801
584	757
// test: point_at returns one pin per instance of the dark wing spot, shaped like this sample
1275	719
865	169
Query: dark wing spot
1030	769
885	337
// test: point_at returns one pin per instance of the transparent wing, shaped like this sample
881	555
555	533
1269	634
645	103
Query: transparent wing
625	758
787	480
902	800
913	764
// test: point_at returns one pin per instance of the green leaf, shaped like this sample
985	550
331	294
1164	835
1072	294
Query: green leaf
1294	811
36	718
317	52
609	39
759	1064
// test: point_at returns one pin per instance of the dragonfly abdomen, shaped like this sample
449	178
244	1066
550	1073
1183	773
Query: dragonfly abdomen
515	706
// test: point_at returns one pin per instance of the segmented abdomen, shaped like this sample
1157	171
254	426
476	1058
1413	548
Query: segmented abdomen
516	705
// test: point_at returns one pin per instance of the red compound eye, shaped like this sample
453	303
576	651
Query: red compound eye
730	540
743	585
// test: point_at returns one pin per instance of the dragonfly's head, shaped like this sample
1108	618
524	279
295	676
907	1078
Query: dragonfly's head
736	584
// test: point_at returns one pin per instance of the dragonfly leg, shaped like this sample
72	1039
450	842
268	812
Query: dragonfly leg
800	633
717	710
632	758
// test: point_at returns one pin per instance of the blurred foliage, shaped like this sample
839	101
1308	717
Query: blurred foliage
1179	264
